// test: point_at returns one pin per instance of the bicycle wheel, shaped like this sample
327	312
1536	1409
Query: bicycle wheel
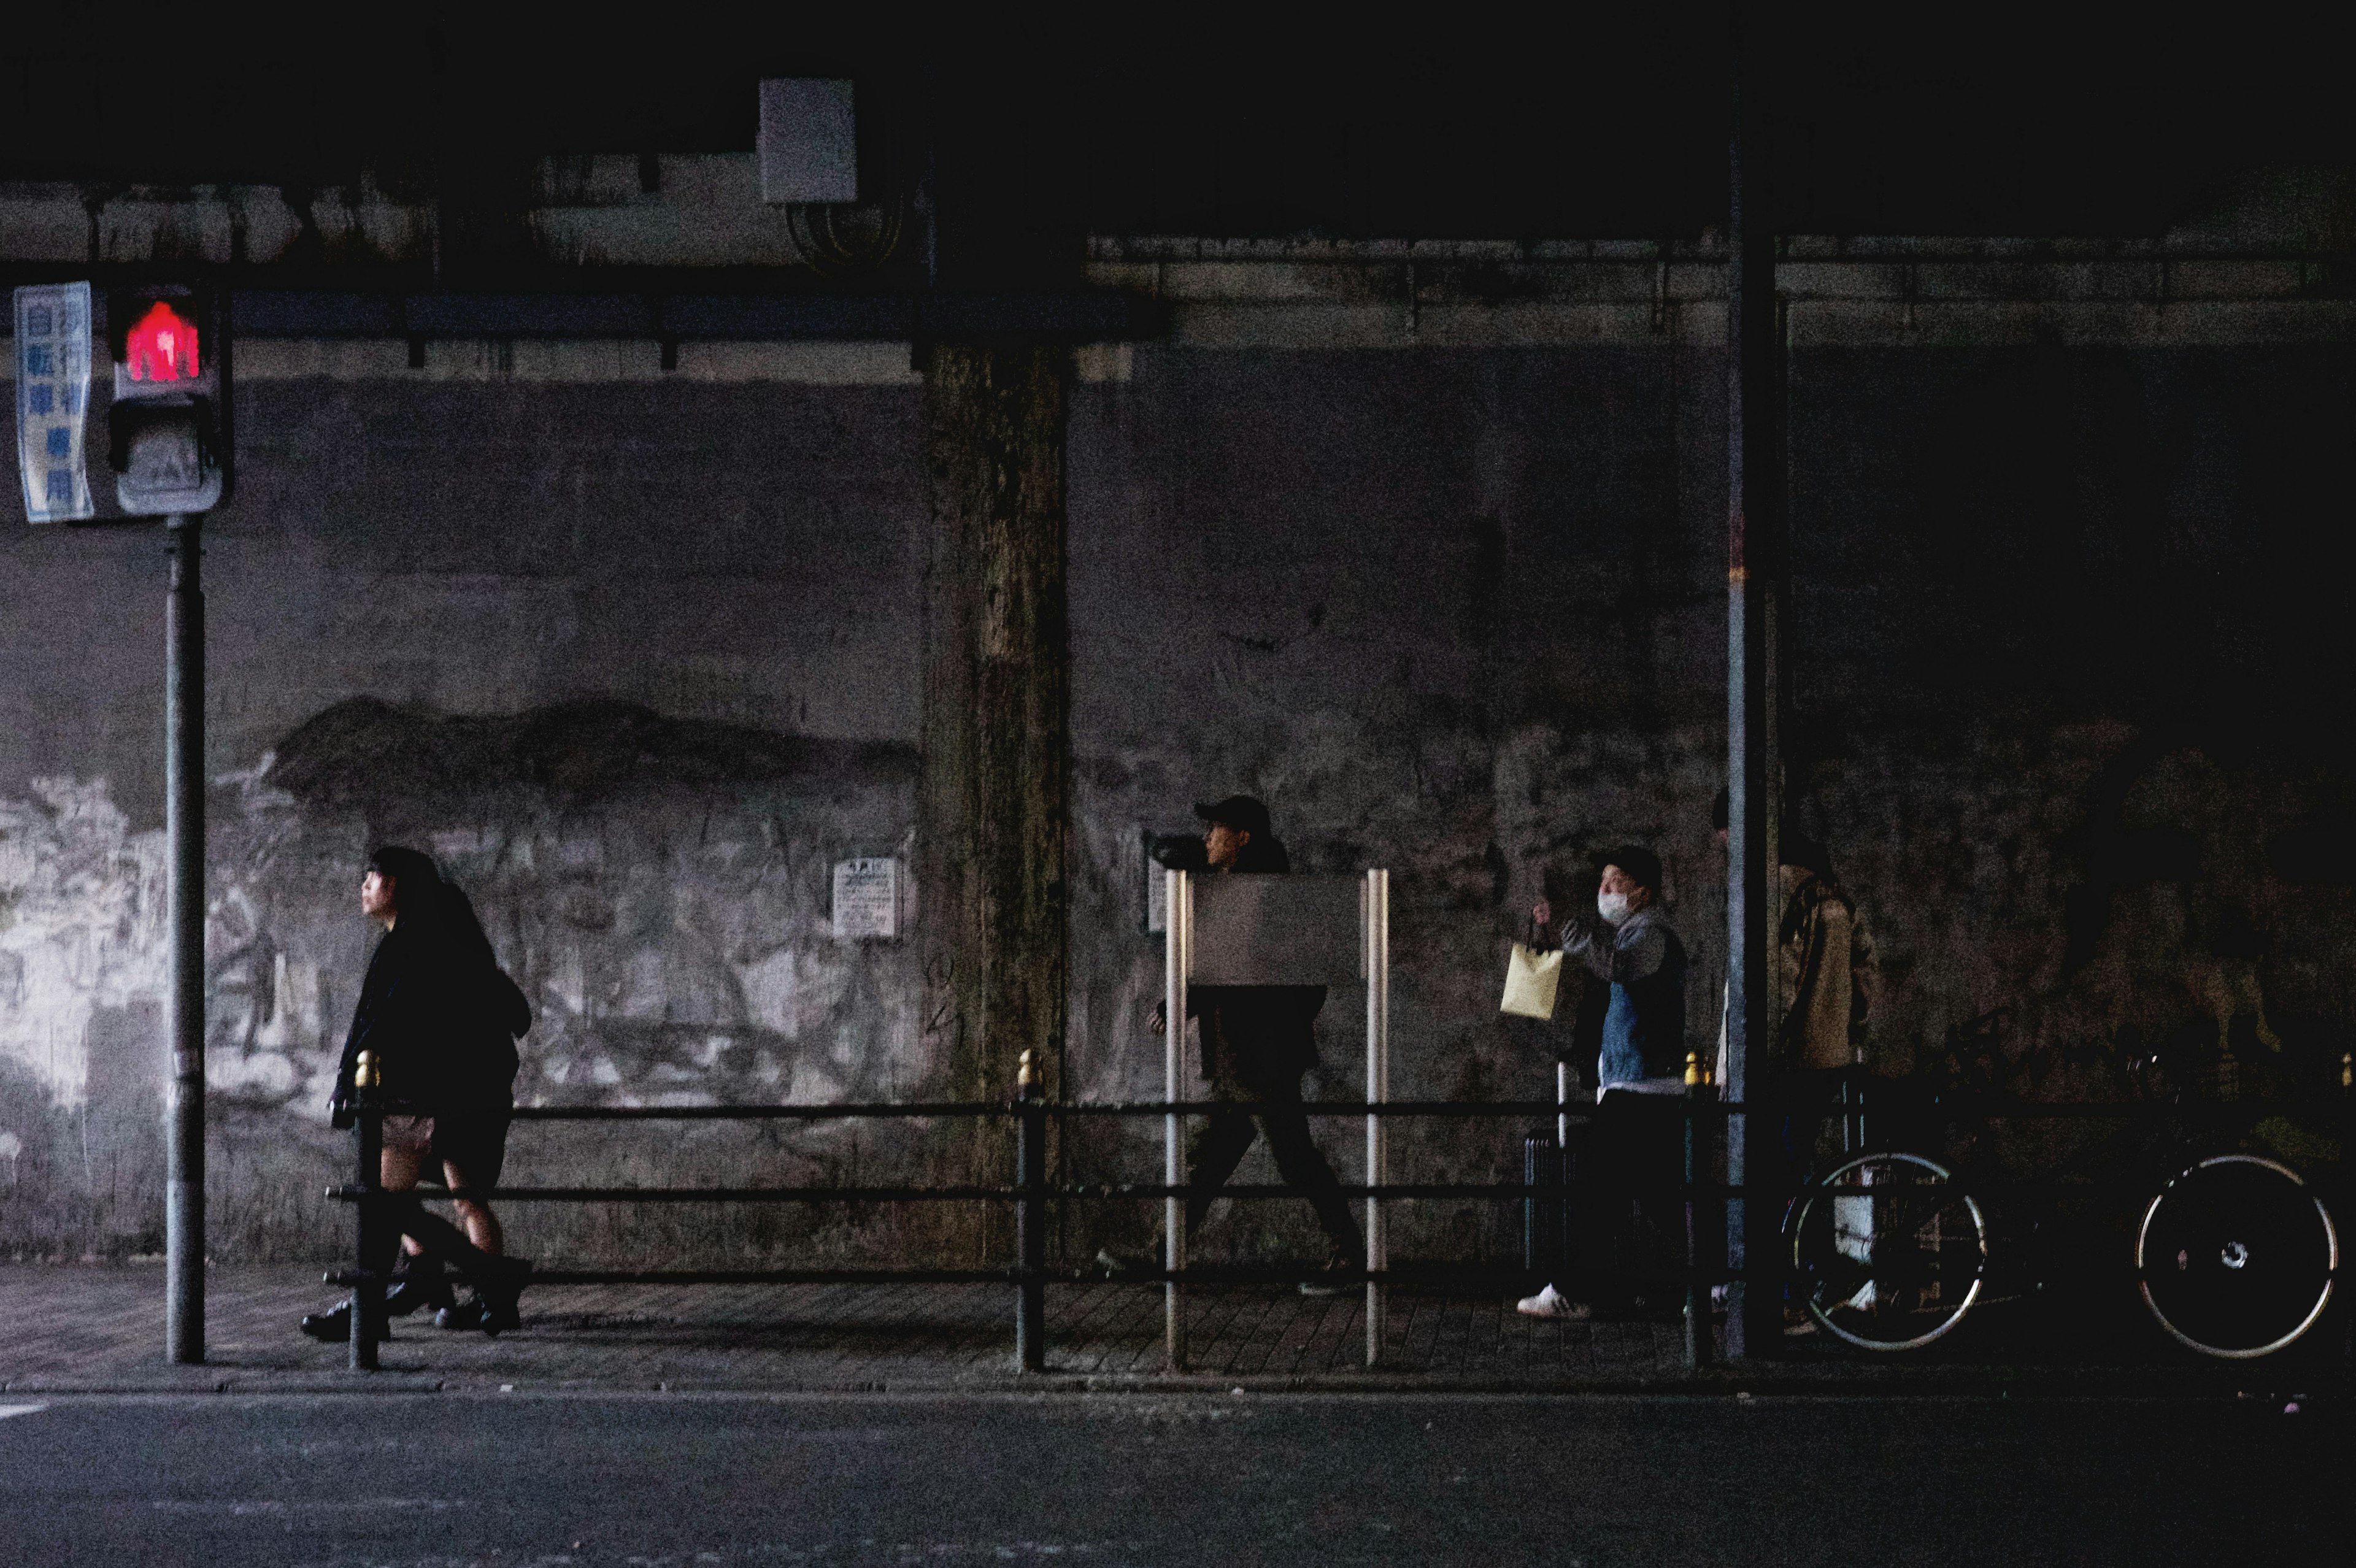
2236	1256
1888	1251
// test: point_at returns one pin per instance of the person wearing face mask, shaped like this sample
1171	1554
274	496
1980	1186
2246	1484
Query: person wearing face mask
1640	1067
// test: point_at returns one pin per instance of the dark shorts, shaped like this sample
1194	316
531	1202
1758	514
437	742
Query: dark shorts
474	1141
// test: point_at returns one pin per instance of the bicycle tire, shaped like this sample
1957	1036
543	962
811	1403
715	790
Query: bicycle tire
2243	1262
1916	1286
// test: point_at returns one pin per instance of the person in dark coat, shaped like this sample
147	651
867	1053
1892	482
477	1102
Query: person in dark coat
1257	1042
441	1019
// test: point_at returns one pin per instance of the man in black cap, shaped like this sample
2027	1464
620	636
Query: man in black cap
1256	1045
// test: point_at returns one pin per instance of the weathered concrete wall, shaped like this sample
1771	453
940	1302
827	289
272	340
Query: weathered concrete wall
640	659
2069	716
636	664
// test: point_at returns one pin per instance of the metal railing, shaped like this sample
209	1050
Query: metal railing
1030	1194
1700	1192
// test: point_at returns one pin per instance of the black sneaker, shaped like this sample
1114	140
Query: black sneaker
1127	1265
334	1327
495	1298
416	1292
460	1317
1332	1277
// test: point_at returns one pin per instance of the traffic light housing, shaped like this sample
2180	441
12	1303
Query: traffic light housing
168	429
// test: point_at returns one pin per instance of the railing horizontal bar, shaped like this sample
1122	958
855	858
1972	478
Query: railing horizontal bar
750	1276
946	1108
1203	1274
690	1194
1547	1108
1944	1109
1514	1190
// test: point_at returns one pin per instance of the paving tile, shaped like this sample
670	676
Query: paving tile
99	1328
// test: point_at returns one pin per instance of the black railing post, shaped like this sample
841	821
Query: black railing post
368	1287
1030	1220
1699	1092
1542	1220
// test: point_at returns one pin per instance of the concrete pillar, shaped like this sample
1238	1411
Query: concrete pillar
994	804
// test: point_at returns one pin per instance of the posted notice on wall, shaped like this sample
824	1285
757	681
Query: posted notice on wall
52	396
866	900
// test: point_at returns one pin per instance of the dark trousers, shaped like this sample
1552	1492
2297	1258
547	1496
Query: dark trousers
1271	1110
1629	1216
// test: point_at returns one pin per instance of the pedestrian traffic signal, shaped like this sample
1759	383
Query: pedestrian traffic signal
169	430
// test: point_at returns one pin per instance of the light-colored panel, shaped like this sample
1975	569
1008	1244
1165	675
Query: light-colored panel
809	151
1276	930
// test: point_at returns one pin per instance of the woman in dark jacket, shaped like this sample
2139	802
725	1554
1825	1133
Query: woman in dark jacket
441	1019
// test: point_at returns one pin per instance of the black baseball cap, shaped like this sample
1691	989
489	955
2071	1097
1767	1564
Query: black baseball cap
1242	811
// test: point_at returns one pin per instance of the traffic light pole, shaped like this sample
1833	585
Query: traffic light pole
184	814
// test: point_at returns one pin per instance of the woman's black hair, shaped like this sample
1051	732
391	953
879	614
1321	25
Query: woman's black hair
429	905
415	878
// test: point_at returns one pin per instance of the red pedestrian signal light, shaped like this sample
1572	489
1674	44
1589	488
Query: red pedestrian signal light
161	346
168	427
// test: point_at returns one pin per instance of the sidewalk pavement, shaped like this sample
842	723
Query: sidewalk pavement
67	1328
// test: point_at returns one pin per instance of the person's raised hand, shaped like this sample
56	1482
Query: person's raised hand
1160	1022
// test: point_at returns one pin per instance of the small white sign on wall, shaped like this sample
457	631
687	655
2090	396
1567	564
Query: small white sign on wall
1157	887
866	899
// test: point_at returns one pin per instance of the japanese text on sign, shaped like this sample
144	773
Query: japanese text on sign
866	899
52	396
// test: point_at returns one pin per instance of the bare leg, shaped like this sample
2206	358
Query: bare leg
397	1172
482	1225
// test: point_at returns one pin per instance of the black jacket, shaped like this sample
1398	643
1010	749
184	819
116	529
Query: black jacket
1261	1037
441	1017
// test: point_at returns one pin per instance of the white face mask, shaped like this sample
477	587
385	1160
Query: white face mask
1613	907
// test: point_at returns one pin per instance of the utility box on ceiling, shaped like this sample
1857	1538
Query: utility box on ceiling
809	145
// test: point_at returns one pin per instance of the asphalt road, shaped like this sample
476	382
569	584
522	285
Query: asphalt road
1106	1480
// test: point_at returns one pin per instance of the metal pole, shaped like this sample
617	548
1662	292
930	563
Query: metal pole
1754	1303
1176	956
1378	1089
1697	1336
184	820
368	1289
1562	1104
1030	1220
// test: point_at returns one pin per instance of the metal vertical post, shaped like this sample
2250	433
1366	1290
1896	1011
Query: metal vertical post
1754	558
1030	1219
1177	943
1698	1093
1378	1089
184	814
368	1287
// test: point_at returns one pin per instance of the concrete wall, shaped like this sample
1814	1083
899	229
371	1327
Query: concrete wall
638	659
636	664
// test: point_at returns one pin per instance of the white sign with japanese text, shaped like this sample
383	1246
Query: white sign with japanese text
52	399
866	900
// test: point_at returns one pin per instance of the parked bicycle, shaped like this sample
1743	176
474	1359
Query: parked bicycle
2236	1253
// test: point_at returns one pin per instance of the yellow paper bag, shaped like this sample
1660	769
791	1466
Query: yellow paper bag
1531	977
